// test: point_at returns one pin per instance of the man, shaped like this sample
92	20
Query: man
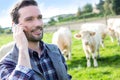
31	58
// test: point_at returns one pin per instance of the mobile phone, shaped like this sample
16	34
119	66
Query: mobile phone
14	25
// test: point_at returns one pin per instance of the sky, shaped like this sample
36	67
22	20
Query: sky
48	8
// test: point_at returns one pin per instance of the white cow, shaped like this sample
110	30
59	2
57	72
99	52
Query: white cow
91	44
99	28
6	48
116	29
63	39
113	25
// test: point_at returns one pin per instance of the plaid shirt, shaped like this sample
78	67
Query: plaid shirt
44	64
18	72
10	70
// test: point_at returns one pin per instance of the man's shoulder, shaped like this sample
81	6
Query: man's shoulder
12	55
51	46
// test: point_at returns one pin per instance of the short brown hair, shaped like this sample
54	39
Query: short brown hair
14	13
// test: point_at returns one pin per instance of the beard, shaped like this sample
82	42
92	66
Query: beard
32	38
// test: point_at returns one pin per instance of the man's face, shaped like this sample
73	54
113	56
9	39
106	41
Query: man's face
31	19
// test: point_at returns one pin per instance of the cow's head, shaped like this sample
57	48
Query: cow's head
85	36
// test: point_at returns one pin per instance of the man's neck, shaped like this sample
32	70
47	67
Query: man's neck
34	46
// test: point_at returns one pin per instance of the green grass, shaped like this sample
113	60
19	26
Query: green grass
109	63
5	38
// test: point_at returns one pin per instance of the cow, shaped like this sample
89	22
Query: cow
113	25
116	29
100	28
91	44
63	39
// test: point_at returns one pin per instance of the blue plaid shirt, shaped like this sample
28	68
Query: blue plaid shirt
10	70
44	64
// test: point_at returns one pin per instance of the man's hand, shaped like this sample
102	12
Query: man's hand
19	36
22	44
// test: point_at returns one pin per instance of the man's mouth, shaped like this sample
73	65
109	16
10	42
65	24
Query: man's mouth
37	32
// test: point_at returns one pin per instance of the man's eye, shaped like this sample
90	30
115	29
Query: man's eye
29	19
40	17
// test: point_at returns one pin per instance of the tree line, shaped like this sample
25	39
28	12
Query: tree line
102	9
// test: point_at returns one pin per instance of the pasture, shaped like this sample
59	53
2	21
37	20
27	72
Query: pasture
109	62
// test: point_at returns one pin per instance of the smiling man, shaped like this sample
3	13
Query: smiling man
31	58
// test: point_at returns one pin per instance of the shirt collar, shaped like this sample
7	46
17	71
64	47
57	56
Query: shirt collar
42	46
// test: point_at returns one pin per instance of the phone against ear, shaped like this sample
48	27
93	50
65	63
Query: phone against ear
14	25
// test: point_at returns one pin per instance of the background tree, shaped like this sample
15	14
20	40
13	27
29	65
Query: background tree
100	6
78	12
108	7
52	21
1	29
116	6
60	18
87	8
112	7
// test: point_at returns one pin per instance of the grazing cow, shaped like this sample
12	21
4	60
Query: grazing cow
63	39
91	43
118	35
6	48
100	28
113	25
116	29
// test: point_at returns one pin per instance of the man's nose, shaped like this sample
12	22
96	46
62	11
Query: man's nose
38	22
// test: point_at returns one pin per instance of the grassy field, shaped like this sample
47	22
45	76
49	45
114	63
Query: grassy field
109	63
5	39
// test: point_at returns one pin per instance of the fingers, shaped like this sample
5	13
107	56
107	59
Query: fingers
18	30
17	27
19	35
